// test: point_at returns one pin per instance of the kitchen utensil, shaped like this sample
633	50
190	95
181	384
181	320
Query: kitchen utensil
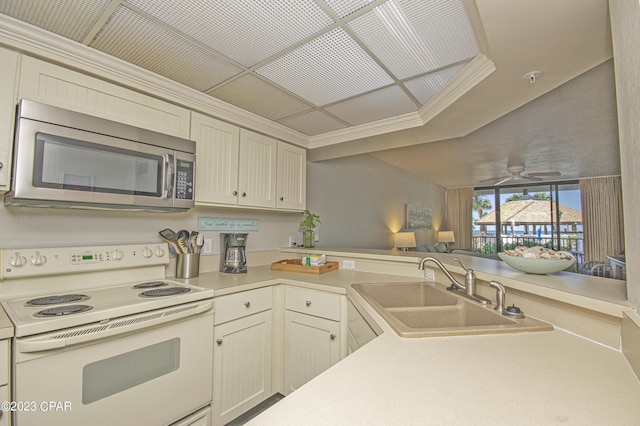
171	238
182	243
192	242
200	242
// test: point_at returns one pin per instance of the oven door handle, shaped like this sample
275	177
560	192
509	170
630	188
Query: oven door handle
109	328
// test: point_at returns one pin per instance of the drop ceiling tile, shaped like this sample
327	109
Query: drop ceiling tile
384	103
327	69
413	37
313	123
69	18
247	32
253	94
424	88
149	45
344	8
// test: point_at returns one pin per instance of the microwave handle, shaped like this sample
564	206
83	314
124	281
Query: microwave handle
169	176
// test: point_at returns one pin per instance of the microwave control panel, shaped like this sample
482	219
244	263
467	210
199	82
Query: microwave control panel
184	180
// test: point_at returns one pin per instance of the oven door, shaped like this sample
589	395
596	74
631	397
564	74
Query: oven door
155	376
64	165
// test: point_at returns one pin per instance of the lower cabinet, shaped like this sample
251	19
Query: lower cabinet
201	417
242	356
265	343
312	345
314	329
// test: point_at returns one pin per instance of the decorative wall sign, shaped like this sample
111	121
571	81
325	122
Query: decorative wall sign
222	224
418	217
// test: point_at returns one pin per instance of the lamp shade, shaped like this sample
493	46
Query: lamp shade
404	240
446	237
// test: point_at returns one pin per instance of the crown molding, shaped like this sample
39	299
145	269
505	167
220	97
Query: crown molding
473	73
51	47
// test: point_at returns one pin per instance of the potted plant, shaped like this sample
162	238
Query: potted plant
309	222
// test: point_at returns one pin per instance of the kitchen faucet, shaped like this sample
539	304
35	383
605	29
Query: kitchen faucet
470	280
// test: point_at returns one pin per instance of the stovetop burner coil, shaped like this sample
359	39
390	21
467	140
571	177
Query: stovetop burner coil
151	284
57	299
161	292
60	311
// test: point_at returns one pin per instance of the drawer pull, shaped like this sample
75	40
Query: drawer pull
235	193
247	304
308	303
219	341
333	337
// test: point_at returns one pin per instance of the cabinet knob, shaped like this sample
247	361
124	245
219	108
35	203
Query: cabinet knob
244	194
219	341
235	193
247	304
308	303
333	337
1	166
281	198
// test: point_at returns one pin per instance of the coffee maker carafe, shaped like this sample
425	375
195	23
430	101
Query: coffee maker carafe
233	259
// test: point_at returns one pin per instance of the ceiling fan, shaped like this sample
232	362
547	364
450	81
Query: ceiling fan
516	173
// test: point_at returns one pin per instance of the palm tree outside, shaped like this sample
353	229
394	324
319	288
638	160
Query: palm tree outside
480	205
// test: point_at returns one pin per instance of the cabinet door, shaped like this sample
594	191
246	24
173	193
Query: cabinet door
8	70
312	345
217	149
257	174
241	365
292	177
54	85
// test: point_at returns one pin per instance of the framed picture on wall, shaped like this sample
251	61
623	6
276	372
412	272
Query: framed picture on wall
418	217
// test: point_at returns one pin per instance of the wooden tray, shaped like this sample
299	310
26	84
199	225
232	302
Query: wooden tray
295	265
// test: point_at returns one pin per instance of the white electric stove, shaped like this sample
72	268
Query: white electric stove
99	327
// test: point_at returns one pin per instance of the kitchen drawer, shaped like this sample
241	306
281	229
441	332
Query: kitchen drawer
241	304
313	302
5	365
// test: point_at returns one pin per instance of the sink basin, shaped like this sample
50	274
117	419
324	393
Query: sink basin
403	295
420	309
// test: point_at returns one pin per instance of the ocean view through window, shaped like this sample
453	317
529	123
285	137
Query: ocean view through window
536	214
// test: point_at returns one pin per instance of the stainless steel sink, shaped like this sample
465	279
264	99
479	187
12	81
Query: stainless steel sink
420	309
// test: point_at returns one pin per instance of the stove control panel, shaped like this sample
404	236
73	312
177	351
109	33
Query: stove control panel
34	262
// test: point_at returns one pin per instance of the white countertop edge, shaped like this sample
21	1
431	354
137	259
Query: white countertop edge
601	295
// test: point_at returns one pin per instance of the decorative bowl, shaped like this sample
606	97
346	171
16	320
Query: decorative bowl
536	266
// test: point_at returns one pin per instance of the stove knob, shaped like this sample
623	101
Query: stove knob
38	259
117	255
160	252
147	252
17	261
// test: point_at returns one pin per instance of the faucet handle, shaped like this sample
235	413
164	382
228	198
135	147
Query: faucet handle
500	295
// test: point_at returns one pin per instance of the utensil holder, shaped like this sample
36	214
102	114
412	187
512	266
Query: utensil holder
188	265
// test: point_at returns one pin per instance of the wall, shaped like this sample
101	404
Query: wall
40	227
625	27
361	201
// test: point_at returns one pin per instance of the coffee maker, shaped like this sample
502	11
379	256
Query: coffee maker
233	259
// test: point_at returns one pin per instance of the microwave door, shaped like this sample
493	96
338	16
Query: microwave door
68	165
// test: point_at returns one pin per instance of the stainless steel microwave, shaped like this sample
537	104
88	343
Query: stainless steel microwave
67	159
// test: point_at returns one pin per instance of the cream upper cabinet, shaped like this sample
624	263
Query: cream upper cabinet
292	177
54	85
238	167
8	72
257	170
217	150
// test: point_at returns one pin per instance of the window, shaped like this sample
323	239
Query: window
527	215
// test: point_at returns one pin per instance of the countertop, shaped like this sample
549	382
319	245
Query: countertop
532	378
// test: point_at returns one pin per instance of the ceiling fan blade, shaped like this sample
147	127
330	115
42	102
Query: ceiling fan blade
545	174
495	179
503	180
530	178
